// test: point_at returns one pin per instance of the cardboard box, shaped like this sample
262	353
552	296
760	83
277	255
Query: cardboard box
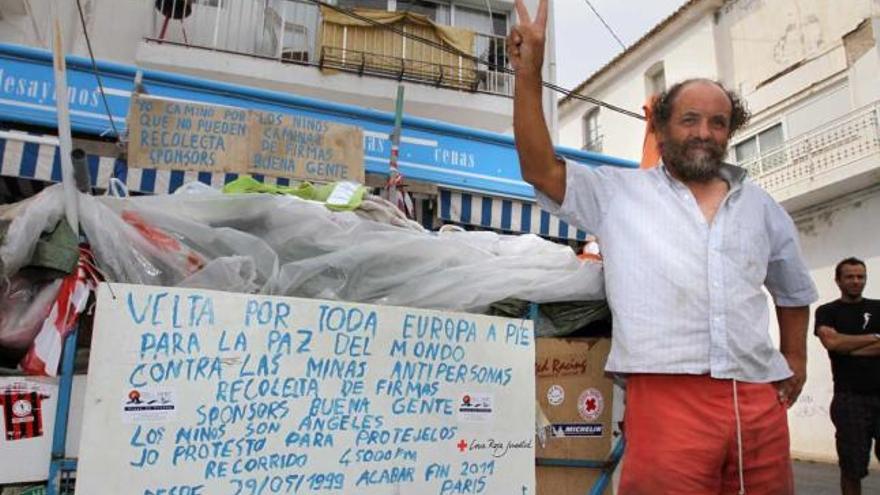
576	397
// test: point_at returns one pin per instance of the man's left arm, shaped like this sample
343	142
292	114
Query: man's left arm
793	322
872	350
793	290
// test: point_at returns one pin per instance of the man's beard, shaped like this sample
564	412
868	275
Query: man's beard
694	160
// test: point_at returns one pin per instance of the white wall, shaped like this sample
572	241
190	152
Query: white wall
686	54
115	26
779	53
17	27
830	233
769	37
829	105
865	72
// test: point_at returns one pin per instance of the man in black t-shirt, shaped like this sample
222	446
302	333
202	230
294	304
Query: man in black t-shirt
850	329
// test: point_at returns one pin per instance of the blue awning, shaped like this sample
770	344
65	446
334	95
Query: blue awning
505	214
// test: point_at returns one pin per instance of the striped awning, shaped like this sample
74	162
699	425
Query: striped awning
29	156
26	157
509	215
27	161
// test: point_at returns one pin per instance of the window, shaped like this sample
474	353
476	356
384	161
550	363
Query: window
435	11
478	21
762	151
363	4
592	138
473	18
655	79
491	32
295	43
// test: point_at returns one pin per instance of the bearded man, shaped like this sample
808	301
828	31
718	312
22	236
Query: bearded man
688	246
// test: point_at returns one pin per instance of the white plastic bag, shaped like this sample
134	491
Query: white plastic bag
33	216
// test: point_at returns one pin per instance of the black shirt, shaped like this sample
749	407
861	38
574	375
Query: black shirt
858	374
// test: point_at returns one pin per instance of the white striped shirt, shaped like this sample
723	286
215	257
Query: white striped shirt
686	295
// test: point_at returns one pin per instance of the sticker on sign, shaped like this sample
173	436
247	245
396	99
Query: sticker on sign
148	405
578	430
555	395
474	407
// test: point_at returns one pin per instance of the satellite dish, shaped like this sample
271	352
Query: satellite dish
174	9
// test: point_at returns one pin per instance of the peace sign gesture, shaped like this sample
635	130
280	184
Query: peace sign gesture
525	44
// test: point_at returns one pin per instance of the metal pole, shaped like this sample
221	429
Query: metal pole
68	358
64	138
59	437
394	171
394	187
217	24
81	173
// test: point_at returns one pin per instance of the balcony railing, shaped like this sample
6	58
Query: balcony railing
837	144
293	31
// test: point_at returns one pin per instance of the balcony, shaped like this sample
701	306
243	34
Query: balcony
299	32
837	158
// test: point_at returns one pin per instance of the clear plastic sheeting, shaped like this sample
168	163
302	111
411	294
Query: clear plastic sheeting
283	245
30	218
25	301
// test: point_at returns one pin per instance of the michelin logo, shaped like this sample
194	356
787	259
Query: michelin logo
578	430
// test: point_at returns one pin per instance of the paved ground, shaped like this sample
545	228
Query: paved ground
818	478
811	478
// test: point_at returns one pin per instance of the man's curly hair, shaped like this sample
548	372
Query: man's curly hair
662	105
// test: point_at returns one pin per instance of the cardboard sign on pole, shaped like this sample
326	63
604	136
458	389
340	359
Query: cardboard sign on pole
305	148
178	135
174	135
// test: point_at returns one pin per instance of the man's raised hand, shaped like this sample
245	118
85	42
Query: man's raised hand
525	44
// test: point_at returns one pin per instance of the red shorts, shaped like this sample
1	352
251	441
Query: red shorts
681	437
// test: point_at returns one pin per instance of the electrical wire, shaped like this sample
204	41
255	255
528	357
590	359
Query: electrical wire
472	58
602	20
491	17
82	19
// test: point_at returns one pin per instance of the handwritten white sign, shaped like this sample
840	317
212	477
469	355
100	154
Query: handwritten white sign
201	392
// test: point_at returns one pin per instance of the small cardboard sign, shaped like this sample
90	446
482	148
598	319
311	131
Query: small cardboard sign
179	135
305	148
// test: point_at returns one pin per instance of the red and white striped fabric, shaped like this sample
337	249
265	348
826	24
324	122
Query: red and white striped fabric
395	191
45	352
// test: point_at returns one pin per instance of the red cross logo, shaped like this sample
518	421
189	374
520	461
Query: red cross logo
462	445
591	404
